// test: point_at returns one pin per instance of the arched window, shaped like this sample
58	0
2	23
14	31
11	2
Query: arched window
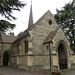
5	59
26	46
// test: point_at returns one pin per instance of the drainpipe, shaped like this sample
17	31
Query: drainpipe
50	55
50	43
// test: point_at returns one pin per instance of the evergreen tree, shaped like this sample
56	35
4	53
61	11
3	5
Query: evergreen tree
66	18
5	26
6	10
7	7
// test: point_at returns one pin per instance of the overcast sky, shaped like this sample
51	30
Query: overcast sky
39	7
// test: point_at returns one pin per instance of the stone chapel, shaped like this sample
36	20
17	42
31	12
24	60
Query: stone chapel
41	46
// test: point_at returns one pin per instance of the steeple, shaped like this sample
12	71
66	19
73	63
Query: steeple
30	17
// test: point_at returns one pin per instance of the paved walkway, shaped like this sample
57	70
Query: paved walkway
13	71
69	72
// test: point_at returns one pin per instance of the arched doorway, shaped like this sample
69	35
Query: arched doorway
5	59
62	56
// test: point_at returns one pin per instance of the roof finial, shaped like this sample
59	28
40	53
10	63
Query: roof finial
30	17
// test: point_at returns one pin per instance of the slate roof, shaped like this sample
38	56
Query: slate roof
8	38
31	26
48	37
21	35
12	39
51	35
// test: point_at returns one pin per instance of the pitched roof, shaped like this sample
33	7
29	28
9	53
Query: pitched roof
8	38
51	35
21	35
48	37
39	20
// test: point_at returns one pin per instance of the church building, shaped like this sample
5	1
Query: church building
41	46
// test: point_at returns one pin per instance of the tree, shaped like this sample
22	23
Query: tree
5	26
66	18
6	10
7	6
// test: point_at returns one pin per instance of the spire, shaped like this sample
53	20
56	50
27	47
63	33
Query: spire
30	17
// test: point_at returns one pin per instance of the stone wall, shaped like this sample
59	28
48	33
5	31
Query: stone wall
40	32
60	36
38	56
5	47
38	35
72	60
14	61
19	58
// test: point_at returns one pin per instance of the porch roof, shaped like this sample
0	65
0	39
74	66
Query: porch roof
48	37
